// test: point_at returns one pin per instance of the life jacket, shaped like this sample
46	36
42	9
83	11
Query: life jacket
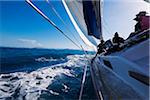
144	22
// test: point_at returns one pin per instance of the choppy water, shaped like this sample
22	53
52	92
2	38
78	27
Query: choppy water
35	74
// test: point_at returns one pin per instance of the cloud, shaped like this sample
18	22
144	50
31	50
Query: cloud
30	43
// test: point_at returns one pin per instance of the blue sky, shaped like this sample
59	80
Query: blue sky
21	26
118	16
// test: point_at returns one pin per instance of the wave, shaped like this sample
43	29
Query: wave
43	59
42	82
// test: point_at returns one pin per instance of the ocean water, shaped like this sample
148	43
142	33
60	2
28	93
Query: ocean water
44	74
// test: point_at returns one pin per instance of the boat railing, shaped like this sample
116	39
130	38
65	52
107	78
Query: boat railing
137	38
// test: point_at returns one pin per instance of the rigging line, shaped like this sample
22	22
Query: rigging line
43	15
75	24
58	15
107	25
106	29
84	75
29	2
85	68
68	29
83	81
105	22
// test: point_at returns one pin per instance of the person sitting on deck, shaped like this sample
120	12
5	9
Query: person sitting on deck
108	47
142	23
100	49
117	41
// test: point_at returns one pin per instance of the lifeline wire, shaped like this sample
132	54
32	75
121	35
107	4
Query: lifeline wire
58	15
85	68
43	15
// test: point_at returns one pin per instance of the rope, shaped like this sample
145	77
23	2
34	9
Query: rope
43	15
84	76
58	15
107	24
106	29
67	28
85	68
83	81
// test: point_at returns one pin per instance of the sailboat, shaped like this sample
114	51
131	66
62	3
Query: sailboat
119	75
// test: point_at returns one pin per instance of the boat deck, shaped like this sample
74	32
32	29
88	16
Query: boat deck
123	75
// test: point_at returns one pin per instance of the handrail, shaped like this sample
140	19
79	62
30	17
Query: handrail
137	35
136	38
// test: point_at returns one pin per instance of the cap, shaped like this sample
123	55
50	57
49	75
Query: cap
142	13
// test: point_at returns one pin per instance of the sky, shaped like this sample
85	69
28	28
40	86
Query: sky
22	26
118	16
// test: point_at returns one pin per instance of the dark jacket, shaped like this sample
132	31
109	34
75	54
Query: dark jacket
118	40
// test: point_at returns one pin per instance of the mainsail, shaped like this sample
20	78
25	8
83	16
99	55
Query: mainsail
86	18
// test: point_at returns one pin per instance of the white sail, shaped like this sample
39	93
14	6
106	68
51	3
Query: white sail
87	27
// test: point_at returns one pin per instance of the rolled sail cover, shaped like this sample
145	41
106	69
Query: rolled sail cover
85	16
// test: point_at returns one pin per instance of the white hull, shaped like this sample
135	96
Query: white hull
113	75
